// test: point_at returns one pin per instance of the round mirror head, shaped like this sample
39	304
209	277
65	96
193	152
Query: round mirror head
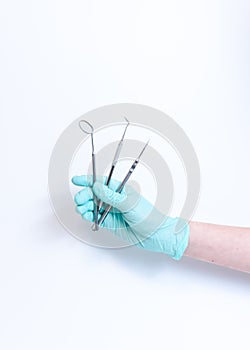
86	127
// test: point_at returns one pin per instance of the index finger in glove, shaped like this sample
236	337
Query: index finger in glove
87	181
83	180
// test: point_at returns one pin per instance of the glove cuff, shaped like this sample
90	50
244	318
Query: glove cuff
180	238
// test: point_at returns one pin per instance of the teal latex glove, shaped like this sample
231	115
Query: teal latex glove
133	218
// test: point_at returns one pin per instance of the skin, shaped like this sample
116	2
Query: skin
222	245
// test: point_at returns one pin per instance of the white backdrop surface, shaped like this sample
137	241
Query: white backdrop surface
60	59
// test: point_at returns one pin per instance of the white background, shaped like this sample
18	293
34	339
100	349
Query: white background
60	59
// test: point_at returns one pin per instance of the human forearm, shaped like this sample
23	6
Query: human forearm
222	245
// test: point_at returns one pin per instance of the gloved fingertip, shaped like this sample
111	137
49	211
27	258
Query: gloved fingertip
89	216
76	198
74	180
82	180
83	196
77	209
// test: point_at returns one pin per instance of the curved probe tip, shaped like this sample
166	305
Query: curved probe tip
127	120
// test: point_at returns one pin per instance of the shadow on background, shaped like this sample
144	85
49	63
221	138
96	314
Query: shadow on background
149	263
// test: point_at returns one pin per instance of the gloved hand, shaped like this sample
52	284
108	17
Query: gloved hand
133	218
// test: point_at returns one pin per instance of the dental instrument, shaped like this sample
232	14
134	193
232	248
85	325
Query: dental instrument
116	157
89	130
123	183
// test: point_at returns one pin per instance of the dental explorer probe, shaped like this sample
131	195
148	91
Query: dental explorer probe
123	183
116	157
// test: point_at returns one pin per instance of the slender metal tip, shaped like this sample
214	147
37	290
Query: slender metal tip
128	122
142	151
